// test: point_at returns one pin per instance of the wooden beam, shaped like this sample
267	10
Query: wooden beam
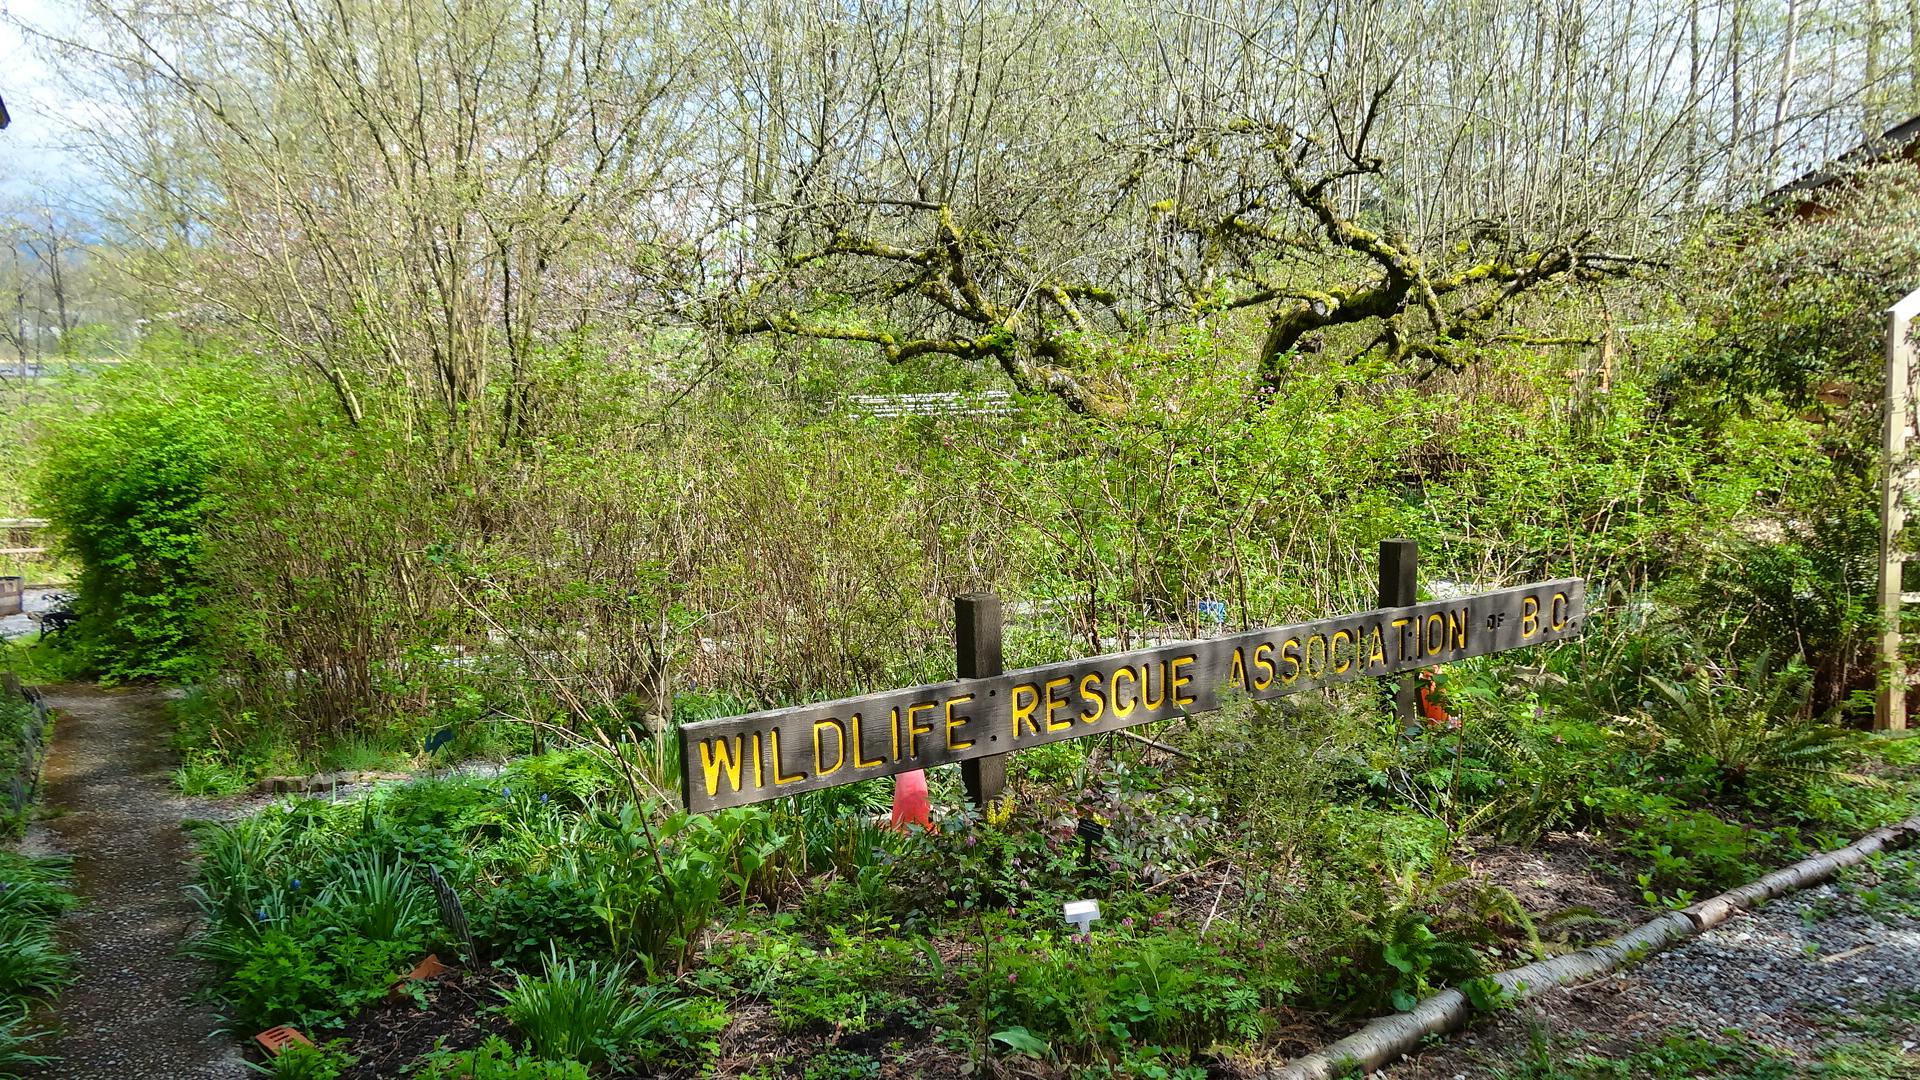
1890	701
977	654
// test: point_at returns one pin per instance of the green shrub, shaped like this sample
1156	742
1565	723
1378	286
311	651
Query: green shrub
211	779
1690	849
33	966
1748	731
377	897
534	911
311	976
129	489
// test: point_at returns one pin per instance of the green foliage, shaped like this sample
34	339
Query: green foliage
17	1040
495	1059
129	488
1749	730
1085	996
298	1061
853	986
211	779
582	1012
33	965
311	976
1690	848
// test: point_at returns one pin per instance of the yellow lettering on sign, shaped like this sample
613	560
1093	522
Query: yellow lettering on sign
1457	627
1314	670
759	778
1055	703
1340	663
1096	700
839	746
1263	663
779	777
1290	656
1557	611
1400	624
956	721
1178	680
1239	672
1529	616
893	727
1436	633
1117	710
1147	700
914	730
1023	709
718	756
858	761
1376	650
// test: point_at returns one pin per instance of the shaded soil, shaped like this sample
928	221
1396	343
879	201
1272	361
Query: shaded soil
457	1015
1576	889
131	1012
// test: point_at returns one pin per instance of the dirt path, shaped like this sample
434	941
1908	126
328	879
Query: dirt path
131	1012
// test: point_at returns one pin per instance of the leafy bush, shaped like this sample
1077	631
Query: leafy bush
308	917
536	910
1689	849
129	489
312	976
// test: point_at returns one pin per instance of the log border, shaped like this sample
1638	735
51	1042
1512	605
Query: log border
1390	1038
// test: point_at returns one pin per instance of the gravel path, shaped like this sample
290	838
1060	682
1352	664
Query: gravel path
110	806
1801	976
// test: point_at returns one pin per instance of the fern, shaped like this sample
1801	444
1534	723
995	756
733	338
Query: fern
1752	729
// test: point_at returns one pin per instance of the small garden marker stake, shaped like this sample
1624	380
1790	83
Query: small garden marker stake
1081	913
276	1040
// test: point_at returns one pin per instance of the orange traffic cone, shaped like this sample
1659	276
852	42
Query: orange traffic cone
910	806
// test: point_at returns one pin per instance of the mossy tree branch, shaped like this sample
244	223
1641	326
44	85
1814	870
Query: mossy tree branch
986	300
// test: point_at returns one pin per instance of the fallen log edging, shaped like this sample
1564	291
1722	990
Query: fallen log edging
1390	1038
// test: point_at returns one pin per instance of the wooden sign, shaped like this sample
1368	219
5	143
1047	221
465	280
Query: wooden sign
747	759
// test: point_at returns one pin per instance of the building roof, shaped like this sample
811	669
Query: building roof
1902	140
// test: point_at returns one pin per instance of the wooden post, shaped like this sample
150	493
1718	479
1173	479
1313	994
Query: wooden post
976	654
1399	587
1890	702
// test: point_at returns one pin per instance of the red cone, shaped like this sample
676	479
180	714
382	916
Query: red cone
910	806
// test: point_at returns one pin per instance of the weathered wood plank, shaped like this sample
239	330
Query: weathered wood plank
746	759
